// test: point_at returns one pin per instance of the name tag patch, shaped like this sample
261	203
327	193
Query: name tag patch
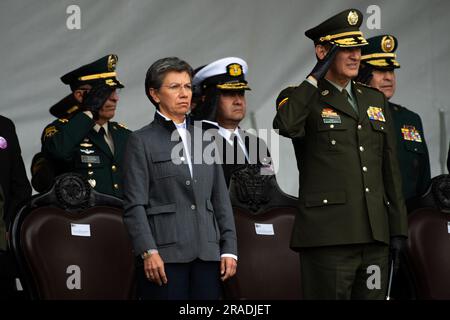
90	159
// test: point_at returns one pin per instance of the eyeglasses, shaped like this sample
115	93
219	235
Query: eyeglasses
177	87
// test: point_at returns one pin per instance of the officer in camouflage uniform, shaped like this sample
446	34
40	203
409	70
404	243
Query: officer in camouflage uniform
378	64
86	141
351	206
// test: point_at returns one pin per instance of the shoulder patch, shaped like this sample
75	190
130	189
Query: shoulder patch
283	96
282	102
50	131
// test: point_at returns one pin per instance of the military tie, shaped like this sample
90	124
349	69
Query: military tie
239	155
102	133
350	100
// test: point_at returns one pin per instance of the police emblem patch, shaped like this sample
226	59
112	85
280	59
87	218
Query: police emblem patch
112	62
352	18
410	133
50	131
330	116
387	44
376	113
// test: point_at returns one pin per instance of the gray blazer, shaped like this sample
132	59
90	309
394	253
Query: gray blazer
184	218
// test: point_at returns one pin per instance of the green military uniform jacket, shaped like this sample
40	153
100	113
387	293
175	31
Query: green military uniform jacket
412	152
77	147
350	184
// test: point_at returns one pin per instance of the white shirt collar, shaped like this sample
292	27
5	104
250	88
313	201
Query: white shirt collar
226	133
105	126
348	86
178	125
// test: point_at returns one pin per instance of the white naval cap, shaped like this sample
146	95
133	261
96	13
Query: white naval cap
226	74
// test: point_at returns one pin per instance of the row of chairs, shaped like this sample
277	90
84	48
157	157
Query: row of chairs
71	243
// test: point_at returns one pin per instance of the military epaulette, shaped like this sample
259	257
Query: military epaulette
63	120
122	125
366	85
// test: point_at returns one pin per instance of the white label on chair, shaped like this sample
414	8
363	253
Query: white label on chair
81	230
448	227
264	229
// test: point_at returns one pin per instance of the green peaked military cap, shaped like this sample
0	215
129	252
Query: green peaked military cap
341	29
379	54
101	70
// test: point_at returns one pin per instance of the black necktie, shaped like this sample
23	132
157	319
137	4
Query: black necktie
239	155
102	132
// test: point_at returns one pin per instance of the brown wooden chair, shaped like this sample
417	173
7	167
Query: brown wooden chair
429	242
71	243
267	267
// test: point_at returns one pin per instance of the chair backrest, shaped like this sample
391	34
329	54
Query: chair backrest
429	252
264	216
70	250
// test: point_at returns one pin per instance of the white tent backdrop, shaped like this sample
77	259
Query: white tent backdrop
37	48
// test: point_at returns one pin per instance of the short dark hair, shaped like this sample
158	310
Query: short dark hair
158	70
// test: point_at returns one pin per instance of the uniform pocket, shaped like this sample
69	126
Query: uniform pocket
379	131
332	135
163	222
163	165
325	199
414	147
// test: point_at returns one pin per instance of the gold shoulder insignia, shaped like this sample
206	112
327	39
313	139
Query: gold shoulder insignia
63	120
282	102
122	125
50	131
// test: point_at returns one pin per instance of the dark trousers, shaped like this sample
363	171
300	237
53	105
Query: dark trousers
196	280
345	272
8	274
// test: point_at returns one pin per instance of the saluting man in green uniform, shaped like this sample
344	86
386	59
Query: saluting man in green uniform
350	199
378	64
90	143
